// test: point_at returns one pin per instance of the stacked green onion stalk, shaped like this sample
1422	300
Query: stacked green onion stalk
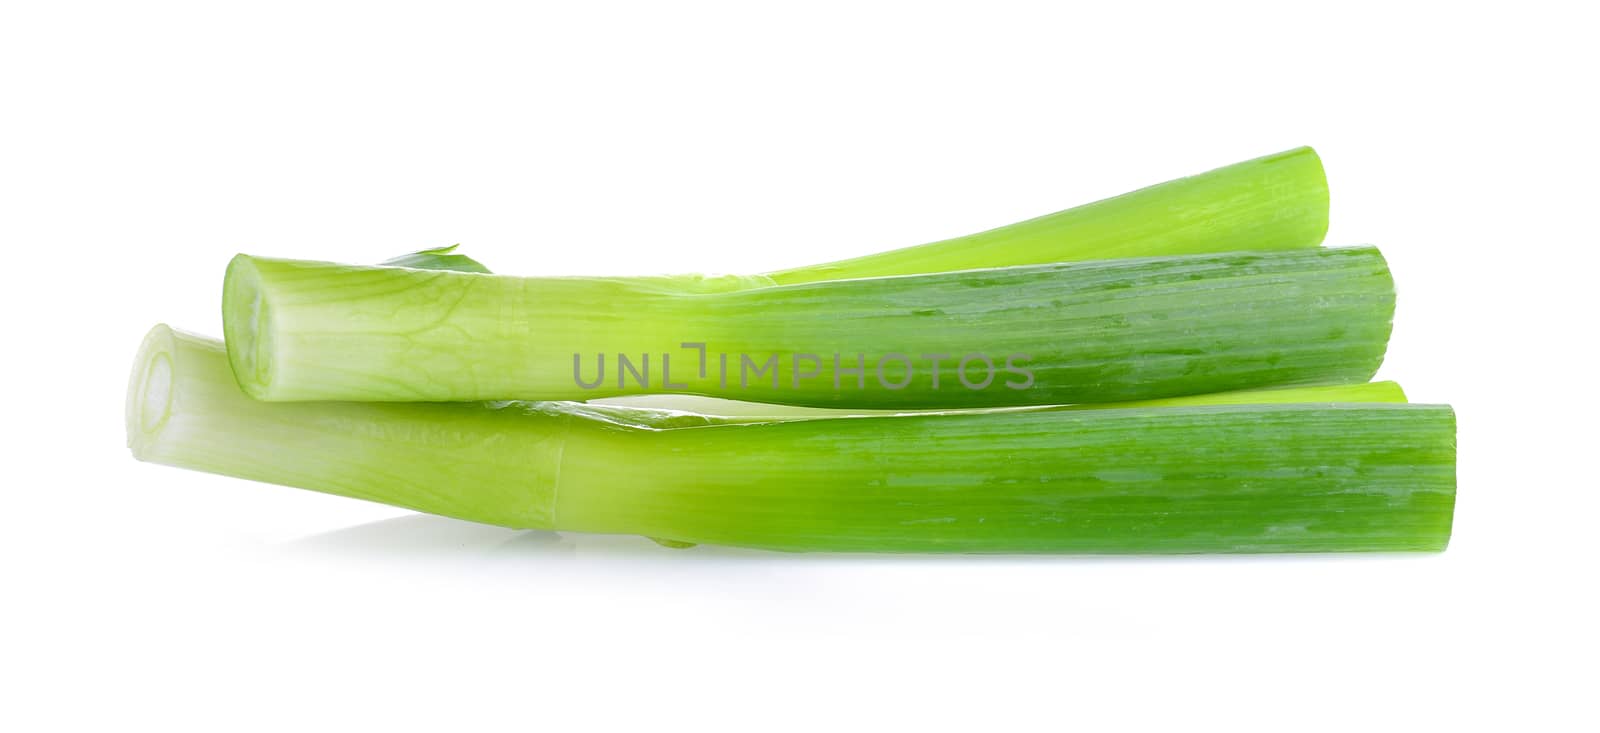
1180	369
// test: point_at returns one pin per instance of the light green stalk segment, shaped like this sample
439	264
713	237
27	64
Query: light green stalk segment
471	461
1218	478
1274	202
1100	331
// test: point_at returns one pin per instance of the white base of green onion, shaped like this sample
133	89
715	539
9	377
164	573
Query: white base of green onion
185	409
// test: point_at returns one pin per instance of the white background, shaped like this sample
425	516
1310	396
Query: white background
145	143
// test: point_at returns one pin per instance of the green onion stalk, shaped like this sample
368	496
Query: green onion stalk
1097	331
1328	475
1273	202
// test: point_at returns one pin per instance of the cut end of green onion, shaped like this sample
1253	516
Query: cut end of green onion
150	389
1310	164
185	409
246	323
165	378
